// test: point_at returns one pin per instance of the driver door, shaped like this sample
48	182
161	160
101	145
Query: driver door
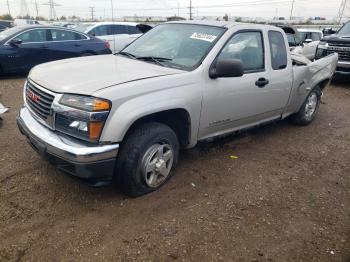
31	52
237	102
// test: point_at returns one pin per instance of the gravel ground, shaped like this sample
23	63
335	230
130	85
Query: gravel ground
286	198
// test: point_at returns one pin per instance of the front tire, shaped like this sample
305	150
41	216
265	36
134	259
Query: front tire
309	109
147	159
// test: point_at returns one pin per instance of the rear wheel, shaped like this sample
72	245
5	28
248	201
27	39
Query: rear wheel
309	109
147	158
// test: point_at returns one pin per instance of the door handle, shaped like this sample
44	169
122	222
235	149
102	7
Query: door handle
44	47
262	82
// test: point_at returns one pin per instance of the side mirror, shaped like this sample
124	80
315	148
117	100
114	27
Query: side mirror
308	41
15	42
226	68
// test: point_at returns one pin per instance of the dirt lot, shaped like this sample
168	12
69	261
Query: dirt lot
286	198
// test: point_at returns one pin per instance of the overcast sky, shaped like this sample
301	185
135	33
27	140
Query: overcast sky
245	8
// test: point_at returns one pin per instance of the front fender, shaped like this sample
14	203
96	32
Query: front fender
128	112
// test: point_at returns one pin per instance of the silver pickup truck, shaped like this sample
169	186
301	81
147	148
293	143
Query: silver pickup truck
125	117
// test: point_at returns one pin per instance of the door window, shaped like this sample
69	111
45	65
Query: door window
63	35
102	30
315	36
119	29
278	50
33	36
247	47
133	30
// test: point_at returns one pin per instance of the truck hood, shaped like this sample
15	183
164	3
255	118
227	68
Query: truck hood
87	75
337	38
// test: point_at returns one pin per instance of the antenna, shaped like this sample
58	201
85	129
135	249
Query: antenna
52	5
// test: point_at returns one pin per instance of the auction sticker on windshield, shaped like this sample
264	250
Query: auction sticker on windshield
203	37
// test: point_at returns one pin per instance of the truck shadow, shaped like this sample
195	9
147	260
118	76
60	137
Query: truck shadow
341	80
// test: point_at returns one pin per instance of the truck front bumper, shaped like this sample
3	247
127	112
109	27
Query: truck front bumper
92	162
343	67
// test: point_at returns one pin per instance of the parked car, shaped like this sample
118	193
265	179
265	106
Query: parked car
2	28
22	48
337	43
310	39
22	22
126	116
118	34
5	25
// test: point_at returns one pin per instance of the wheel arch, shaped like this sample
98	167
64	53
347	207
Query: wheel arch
178	119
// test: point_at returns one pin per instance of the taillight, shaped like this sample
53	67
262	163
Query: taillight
107	45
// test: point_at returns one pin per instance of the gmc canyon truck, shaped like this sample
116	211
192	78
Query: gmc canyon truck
337	43
125	117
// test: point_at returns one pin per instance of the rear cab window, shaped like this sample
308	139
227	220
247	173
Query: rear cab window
279	58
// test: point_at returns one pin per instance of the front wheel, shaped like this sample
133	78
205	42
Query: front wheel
309	109
147	158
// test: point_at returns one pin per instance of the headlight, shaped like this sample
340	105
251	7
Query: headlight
82	117
322	44
86	103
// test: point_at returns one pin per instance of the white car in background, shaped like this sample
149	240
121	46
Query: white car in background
117	34
310	38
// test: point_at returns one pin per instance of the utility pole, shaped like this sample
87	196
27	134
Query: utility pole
291	11
24	8
191	10
52	5
343	5
36	8
92	10
8	7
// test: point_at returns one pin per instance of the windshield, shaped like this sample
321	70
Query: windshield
83	27
181	46
345	30
9	32
314	36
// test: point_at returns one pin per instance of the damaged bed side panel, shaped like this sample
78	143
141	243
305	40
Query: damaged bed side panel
306	77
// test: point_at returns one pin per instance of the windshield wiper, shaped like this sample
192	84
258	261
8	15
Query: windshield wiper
127	54
154	59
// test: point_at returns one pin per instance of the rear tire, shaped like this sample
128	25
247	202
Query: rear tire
147	158
309	109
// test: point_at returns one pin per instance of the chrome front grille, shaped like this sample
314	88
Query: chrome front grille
343	55
38	100
336	44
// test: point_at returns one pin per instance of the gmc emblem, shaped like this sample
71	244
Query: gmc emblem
34	97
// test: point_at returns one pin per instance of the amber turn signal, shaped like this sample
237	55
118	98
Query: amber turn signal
95	130
101	105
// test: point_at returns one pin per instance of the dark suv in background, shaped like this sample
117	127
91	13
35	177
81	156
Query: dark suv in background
337	43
